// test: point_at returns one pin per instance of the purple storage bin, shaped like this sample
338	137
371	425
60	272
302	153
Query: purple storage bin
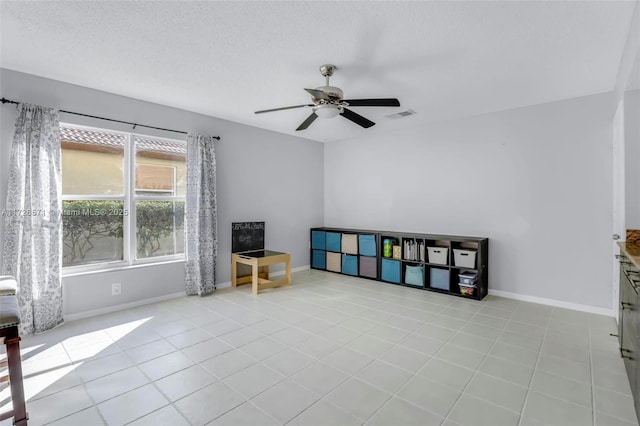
368	267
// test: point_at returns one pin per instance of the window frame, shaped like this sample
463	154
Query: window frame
129	198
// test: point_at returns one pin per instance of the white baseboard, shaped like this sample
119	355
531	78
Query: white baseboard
227	284
553	302
100	311
95	312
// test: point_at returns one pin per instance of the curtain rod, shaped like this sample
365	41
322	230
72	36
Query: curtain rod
8	101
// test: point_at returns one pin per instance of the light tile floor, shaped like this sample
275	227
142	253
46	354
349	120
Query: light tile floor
329	350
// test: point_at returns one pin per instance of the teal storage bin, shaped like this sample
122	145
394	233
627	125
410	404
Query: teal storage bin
440	278
333	241
414	275
318	240
319	259
390	270
349	264
367	245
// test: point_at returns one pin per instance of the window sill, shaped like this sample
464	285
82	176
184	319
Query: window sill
99	270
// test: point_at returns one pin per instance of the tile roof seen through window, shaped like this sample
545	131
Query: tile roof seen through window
115	140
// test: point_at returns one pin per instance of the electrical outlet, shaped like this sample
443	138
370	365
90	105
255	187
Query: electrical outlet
116	289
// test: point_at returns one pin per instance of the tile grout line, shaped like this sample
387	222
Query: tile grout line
529	389
84	387
475	372
364	312
533	371
261	362
153	382
218	380
417	373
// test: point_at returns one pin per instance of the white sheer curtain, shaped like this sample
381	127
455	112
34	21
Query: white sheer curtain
33	223
201	212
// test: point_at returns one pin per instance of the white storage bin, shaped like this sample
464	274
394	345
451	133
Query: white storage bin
464	258
438	255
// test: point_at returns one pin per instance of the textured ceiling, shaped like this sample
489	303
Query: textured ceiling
443	60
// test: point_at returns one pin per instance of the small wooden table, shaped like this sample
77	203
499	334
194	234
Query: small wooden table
256	259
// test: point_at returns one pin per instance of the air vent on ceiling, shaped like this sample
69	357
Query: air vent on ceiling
401	114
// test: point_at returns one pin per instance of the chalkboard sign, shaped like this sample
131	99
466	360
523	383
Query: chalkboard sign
247	236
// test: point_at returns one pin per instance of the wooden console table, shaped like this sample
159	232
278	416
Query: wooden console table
256	259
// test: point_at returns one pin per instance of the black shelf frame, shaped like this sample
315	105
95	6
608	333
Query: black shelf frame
479	244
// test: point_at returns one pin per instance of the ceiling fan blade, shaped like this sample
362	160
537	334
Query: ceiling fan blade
356	118
386	102
318	94
280	109
306	123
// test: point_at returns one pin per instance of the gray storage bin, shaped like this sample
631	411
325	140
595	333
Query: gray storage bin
439	278
369	267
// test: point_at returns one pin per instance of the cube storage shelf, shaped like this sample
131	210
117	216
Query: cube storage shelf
450	264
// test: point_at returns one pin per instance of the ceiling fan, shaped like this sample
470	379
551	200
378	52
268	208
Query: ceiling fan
328	103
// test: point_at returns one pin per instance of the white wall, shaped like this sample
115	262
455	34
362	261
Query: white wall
261	175
537	181
632	158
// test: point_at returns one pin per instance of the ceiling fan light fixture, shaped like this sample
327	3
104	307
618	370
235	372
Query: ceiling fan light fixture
327	110
327	102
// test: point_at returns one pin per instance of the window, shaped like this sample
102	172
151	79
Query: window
152	179
123	197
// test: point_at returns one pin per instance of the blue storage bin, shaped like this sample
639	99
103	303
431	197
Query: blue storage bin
440	278
414	275
319	259
349	264
390	270
318	240
333	241
367	245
